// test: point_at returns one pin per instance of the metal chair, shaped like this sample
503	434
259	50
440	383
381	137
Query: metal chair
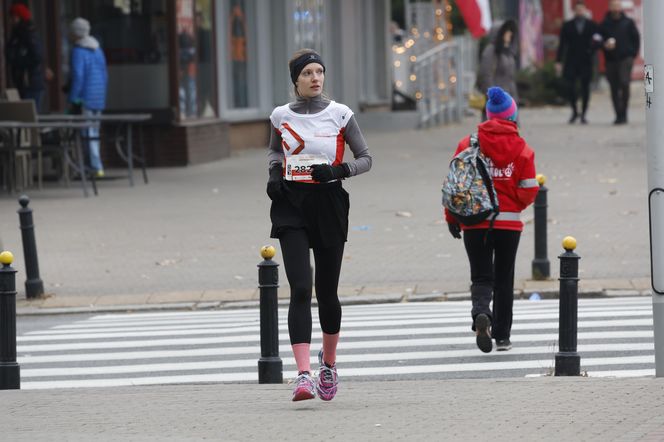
30	141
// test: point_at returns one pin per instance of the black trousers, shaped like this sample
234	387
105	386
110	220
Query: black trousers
492	260
584	82
295	246
618	74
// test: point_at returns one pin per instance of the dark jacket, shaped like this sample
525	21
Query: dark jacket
25	58
626	34
575	50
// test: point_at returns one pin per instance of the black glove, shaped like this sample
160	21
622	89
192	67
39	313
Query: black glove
455	230
324	172
275	184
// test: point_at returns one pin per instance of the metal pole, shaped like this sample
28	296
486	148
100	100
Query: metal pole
654	64
270	367
34	287
541	268
568	361
10	377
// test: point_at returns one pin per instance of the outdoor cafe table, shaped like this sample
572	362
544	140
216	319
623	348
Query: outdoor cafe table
128	120
14	129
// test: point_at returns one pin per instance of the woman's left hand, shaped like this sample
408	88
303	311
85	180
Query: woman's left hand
324	172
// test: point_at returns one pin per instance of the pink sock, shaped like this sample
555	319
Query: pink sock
302	356
330	348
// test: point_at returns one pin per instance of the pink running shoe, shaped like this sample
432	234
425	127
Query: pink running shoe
327	381
304	387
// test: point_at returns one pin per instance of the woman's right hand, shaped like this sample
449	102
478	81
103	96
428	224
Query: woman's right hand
275	184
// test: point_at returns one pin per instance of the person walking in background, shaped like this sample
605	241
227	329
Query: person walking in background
87	83
492	250
579	38
621	46
498	62
310	211
25	56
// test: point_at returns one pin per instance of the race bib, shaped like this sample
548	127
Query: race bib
298	167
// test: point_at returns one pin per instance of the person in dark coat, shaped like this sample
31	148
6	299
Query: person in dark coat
24	56
579	38
498	61
621	46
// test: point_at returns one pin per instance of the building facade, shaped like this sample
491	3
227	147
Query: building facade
211	71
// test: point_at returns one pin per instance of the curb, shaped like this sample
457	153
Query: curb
345	300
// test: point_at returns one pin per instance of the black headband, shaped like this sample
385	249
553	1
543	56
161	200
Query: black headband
301	62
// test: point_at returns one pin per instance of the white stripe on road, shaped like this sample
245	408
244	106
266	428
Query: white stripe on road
627	334
95	327
289	361
285	349
357	333
432	311
622	373
611	373
443	306
365	371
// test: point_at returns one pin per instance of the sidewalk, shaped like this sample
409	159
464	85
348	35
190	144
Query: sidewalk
191	238
547	409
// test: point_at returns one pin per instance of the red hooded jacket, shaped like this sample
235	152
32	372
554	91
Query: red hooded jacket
512	168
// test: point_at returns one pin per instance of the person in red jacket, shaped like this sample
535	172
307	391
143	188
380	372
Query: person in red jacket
492	253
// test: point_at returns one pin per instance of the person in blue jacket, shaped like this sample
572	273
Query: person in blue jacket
88	82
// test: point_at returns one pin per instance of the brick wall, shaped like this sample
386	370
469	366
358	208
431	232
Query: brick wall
247	135
168	146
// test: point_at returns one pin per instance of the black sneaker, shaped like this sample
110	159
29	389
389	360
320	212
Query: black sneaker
483	334
503	344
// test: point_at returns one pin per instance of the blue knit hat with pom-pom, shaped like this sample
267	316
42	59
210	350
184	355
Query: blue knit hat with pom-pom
500	104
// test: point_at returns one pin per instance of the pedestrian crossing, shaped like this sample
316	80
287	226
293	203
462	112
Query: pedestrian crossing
378	341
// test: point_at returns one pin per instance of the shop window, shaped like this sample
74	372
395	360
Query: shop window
134	37
196	69
308	22
239	40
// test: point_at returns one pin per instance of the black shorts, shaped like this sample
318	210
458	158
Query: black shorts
321	209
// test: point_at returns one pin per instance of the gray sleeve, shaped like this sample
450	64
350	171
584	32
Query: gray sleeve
275	154
362	158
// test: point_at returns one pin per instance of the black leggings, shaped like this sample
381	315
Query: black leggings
492	273
295	250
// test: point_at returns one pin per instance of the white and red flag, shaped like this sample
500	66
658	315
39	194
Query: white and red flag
477	15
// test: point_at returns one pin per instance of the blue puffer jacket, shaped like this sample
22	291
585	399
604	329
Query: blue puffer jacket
88	76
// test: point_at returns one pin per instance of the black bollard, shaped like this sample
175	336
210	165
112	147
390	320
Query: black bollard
270	367
568	361
10	377
34	287
541	268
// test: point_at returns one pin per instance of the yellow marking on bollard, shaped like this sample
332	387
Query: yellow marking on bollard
6	257
569	243
541	179
268	252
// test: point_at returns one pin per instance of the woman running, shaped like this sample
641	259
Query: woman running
310	211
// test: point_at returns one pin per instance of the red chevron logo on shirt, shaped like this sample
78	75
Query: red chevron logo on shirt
295	135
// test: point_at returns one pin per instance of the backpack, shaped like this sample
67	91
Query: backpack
468	191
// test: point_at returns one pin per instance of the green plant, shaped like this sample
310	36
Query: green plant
540	86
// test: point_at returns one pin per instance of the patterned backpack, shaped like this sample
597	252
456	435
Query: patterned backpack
468	191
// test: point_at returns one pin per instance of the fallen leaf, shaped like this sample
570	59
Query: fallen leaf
166	262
